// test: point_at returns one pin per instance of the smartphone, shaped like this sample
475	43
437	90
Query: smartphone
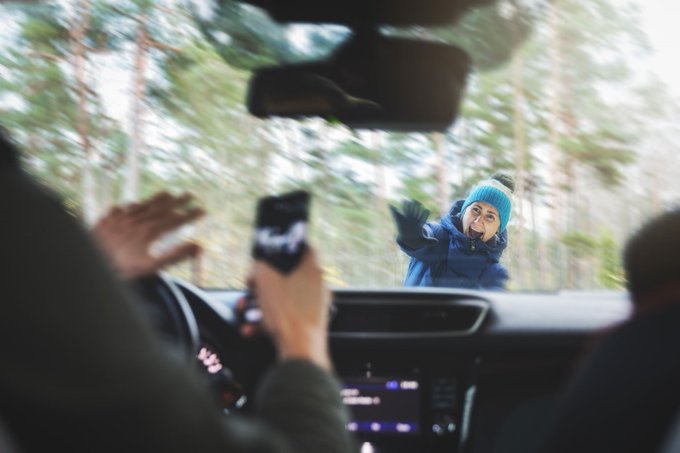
280	237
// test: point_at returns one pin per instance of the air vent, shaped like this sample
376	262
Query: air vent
381	316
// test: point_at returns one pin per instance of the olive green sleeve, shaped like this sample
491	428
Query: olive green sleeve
304	401
82	370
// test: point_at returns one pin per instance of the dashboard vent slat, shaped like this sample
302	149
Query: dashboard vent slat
386	317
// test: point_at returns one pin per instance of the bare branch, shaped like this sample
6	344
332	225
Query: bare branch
173	11
161	46
115	9
48	56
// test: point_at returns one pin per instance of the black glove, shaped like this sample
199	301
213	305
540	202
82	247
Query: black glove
410	224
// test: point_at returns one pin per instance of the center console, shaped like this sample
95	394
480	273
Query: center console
405	390
420	409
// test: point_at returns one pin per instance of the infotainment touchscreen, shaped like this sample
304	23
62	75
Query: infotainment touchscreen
383	405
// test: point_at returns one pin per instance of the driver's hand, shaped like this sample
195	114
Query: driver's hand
295	309
128	232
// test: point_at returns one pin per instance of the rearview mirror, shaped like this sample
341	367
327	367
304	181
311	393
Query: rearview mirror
370	82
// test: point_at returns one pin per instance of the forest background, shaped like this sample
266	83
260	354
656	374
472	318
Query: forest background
112	101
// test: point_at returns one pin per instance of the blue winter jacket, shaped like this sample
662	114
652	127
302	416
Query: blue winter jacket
456	261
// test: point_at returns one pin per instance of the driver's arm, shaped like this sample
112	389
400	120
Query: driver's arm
82	371
295	311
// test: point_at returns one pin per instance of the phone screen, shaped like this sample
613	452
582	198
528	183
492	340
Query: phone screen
281	230
280	237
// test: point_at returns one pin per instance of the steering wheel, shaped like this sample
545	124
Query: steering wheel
169	312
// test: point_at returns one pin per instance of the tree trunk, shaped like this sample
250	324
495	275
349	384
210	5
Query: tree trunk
87	179
570	207
461	158
541	266
519	132
385	244
132	174
440	171
556	182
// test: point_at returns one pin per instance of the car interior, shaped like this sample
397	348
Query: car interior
421	369
436	370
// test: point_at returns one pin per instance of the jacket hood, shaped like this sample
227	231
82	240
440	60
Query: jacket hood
452	222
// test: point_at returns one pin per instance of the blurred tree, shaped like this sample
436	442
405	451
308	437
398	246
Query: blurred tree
143	26
581	246
521	154
610	272
489	34
218	151
539	106
39	107
243	35
584	136
59	119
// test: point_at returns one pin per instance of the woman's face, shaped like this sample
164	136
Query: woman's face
480	220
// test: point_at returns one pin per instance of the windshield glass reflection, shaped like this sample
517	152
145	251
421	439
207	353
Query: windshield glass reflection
574	102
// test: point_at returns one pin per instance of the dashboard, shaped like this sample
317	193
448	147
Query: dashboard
425	370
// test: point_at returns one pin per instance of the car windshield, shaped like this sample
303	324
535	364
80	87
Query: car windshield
112	101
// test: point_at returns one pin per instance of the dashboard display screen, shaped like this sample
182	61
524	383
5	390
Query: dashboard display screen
383	405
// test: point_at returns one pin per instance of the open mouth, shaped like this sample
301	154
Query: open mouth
472	234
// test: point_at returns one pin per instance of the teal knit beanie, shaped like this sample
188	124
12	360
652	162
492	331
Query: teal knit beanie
494	193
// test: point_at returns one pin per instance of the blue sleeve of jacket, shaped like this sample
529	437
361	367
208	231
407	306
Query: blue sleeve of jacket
429	253
495	278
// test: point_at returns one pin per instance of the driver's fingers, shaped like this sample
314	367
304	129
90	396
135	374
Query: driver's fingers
250	284
177	254
115	214
248	330
172	220
115	211
162	205
139	210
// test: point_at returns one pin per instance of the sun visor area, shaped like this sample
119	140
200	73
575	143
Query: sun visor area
359	12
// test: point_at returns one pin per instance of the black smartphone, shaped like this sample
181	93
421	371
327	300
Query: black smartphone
280	237
281	230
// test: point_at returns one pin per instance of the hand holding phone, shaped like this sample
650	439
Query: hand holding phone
294	308
281	230
280	239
